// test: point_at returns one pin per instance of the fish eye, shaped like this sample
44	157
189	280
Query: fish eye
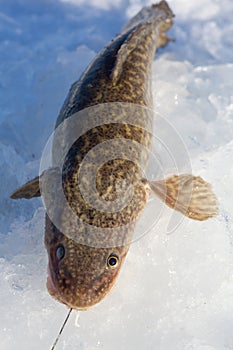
60	252
112	261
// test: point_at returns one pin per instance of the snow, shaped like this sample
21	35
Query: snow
175	290
105	5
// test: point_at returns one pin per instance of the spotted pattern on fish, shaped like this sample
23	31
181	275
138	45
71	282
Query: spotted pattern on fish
88	243
121	73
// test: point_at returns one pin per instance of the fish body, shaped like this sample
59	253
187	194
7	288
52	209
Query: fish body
121	73
87	245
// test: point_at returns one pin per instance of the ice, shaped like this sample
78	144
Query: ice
175	290
201	94
105	5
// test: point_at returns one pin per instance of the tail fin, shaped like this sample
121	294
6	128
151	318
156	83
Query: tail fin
155	19
160	14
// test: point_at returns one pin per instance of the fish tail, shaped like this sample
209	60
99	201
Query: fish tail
144	33
159	14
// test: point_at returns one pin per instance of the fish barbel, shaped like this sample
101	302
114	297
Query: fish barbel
88	229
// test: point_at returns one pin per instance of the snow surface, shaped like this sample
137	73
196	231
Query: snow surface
175	291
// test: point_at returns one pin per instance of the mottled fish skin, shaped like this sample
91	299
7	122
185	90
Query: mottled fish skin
105	125
120	73
87	244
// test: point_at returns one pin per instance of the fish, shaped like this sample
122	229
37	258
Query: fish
104	128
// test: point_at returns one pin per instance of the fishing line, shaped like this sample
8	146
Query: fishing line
59	334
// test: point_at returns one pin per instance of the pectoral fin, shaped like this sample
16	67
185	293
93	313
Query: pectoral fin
28	190
189	194
49	178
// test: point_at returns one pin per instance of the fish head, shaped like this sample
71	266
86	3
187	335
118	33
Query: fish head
80	276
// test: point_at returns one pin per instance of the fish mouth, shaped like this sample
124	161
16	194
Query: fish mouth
53	291
51	287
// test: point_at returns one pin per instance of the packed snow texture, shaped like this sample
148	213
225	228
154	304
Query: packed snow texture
175	291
